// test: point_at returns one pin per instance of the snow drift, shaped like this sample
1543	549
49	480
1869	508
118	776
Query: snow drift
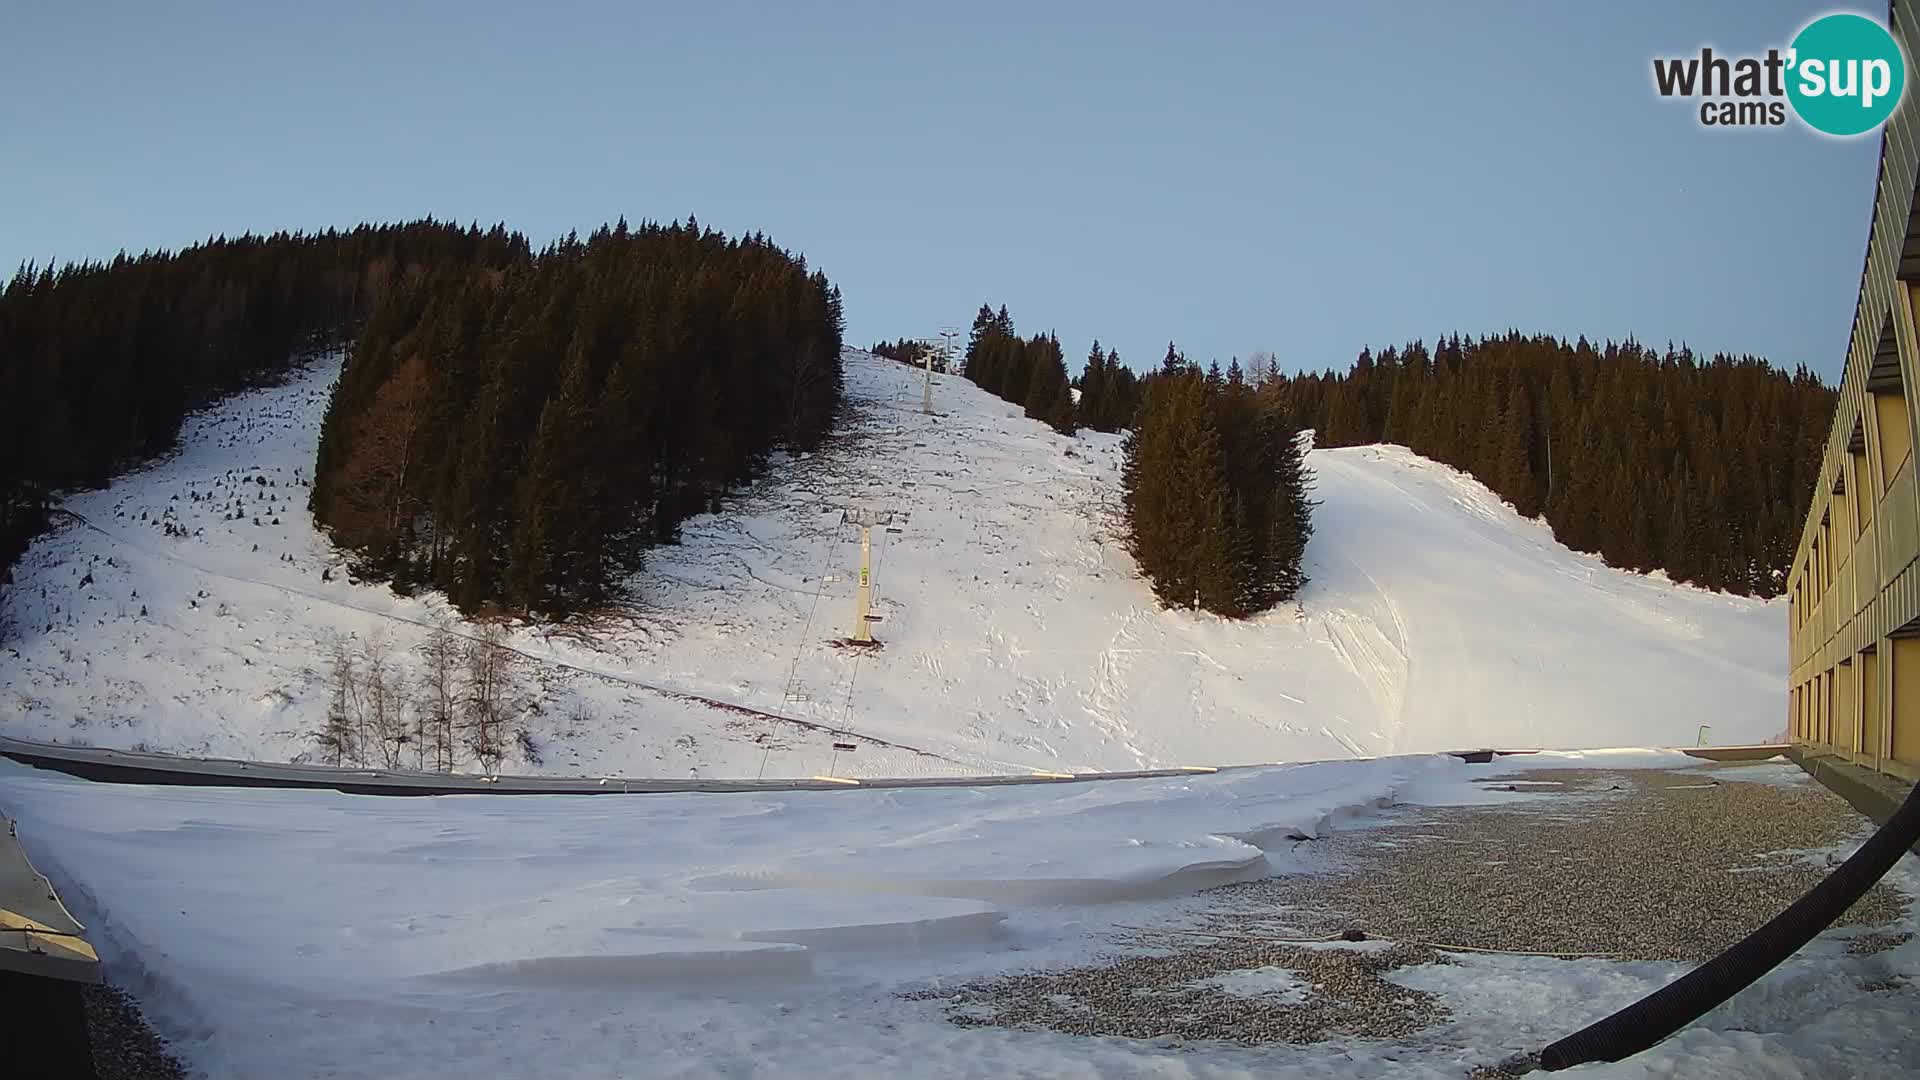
252	905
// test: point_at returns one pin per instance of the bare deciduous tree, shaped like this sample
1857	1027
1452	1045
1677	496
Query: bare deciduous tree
1262	369
384	701
490	696
440	702
338	735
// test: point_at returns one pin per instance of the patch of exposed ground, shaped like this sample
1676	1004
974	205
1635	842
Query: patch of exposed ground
1639	865
1178	996
124	1047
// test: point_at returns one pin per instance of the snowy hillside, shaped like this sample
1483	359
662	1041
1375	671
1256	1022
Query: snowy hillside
189	612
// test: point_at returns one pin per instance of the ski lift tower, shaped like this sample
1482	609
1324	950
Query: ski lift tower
866	518
947	334
926	381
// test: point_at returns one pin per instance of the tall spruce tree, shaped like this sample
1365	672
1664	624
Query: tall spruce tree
1094	407
1215	493
1049	398
1123	394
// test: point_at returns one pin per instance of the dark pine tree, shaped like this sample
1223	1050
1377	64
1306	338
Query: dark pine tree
1215	492
1094	389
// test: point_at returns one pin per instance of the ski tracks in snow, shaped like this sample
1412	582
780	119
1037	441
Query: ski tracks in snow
1381	660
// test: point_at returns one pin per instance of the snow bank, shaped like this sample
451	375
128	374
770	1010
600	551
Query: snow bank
247	906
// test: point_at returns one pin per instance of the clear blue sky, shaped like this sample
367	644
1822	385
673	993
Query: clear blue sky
1235	176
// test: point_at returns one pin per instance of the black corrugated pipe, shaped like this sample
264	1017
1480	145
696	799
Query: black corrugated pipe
1679	1003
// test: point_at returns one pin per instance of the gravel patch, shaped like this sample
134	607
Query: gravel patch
1167	997
1869	944
1634	865
1520	1065
1645	865
124	1047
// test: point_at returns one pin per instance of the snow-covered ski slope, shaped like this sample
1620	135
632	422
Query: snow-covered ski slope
1017	633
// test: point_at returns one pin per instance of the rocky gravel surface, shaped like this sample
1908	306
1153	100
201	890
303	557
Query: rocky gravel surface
1639	865
124	1047
1177	997
1628	864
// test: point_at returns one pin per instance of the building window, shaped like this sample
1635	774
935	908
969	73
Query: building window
1887	388
1858	479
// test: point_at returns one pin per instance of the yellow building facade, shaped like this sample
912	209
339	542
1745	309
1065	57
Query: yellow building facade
1854	589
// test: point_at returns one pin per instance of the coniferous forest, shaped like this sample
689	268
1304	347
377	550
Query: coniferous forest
1028	372
1216	491
909	352
1109	391
1653	459
521	435
1215	487
99	362
514	428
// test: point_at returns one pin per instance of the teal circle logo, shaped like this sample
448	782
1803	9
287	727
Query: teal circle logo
1845	74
